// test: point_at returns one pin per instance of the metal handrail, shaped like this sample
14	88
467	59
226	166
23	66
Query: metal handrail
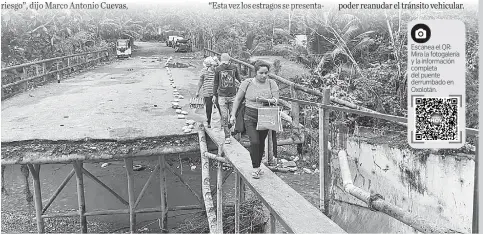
392	118
49	60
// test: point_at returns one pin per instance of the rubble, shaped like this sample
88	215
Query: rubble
289	164
306	170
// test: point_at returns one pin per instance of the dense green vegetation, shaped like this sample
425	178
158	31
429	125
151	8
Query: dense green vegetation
361	55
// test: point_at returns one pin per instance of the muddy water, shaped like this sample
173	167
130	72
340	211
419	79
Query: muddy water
114	176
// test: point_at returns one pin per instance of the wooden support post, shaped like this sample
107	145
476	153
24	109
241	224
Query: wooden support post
130	190
296	117
35	171
205	181
25	84
269	151
273	221
43	72
243	190
475	193
80	196
164	194
219	198
219	193
58	73
56	193
237	201
324	160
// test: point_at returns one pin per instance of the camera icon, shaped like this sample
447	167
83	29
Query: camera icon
420	34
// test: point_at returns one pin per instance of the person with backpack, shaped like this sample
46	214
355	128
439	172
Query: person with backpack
224	91
256	92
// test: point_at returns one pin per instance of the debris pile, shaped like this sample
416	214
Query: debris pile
190	125
252	219
175	104
176	64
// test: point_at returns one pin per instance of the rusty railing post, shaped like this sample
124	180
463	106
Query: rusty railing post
219	193
164	193
80	195
324	160
237	201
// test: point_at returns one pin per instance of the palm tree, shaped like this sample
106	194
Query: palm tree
121	26
346	34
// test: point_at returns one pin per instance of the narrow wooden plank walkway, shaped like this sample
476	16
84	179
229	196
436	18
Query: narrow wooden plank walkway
291	209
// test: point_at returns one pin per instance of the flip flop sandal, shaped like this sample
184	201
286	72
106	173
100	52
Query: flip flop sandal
255	175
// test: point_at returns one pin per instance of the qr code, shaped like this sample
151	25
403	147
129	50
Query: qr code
436	119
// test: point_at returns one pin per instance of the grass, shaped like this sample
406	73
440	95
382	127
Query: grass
289	68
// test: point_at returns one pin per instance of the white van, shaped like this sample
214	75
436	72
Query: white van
170	41
175	39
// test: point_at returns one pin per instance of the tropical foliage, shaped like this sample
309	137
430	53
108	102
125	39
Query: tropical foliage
361	55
